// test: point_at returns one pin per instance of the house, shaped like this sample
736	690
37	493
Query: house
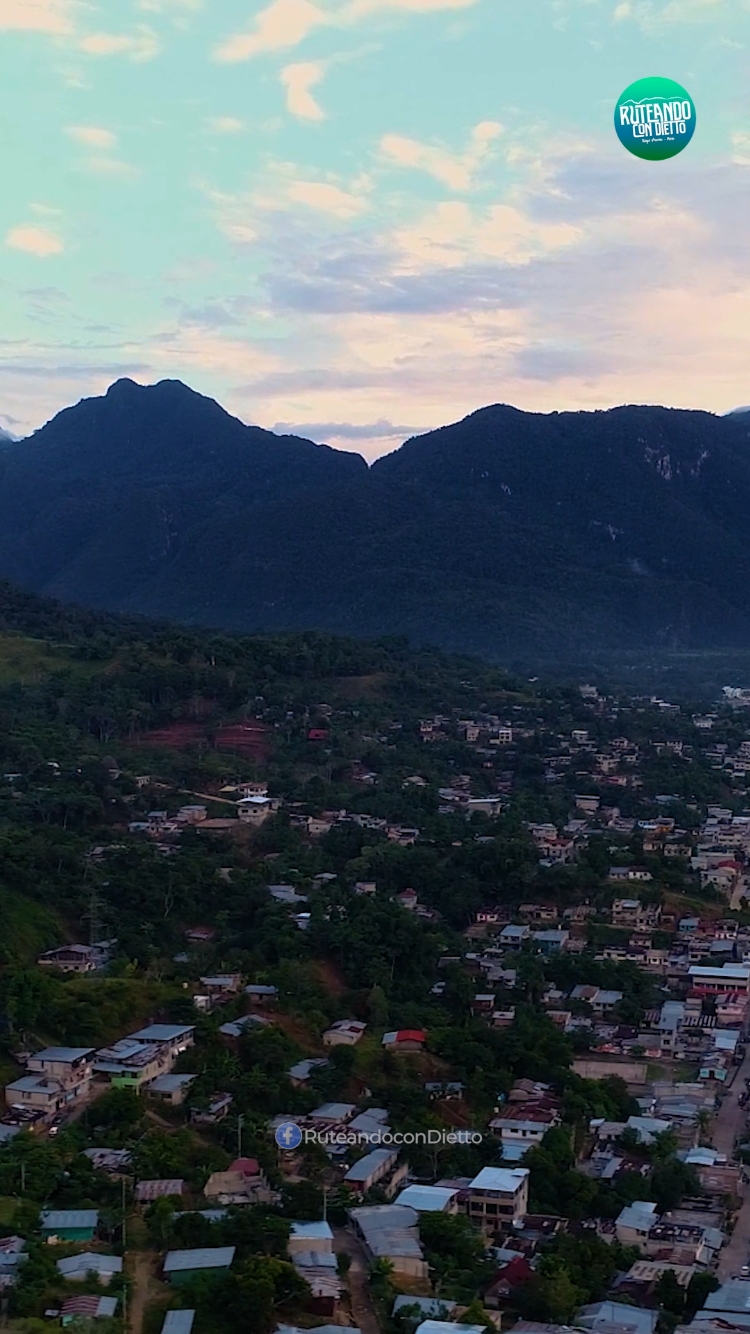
299	1074
513	936
550	941
497	1196
216	1111
319	1270
87	1308
111	1161
429	1199
715	979
261	994
76	1268
183	1266
379	1165
222	987
70	1067
255	810
617	1318
163	1189
631	912
405	1040
446	1327
524	1124
512	1275
344	1033
69	1224
390	1232
305	1237
141	1057
171	1089
244	1182
634	1223
70	959
178	1322
12	1255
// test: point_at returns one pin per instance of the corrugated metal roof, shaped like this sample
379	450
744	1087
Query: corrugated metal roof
371	1162
206	1257
156	1190
162	1032
178	1322
63	1053
68	1218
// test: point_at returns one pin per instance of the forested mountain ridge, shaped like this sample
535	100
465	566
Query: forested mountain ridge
519	535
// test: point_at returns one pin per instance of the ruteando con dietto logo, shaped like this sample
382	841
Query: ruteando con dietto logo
655	119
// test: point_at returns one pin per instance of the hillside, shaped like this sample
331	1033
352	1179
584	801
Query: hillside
518	535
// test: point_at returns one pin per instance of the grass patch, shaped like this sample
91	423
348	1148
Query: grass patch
29	928
8	1206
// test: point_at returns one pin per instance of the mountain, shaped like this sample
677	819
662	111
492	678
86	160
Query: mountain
520	535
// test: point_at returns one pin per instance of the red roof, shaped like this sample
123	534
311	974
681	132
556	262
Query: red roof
85	1305
317	734
248	1166
411	1035
516	1272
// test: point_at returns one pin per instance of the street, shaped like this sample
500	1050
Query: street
729	1121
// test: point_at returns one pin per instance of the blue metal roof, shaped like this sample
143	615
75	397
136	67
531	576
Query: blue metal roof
178	1322
162	1032
68	1218
207	1257
63	1054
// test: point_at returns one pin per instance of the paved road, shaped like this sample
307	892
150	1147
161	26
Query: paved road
727	1124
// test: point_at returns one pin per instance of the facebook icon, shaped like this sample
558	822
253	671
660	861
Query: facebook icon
288	1135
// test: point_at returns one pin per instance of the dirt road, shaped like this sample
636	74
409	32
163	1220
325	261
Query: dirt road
142	1269
363	1310
728	1123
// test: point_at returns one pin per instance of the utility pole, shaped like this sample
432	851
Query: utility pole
325	1204
240	1124
23	1178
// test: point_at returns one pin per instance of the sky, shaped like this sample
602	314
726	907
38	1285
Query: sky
360	219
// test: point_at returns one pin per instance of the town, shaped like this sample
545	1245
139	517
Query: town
366	1016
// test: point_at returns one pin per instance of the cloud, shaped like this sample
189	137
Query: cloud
165	6
298	80
100	165
283	24
226	125
92	136
457	172
327	198
361	8
34	241
650	14
139	46
381	429
49	16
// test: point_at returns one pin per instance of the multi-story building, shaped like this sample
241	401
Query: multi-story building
498	1196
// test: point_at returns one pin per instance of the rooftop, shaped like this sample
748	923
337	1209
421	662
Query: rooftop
178	1322
162	1032
206	1257
426	1199
505	1179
